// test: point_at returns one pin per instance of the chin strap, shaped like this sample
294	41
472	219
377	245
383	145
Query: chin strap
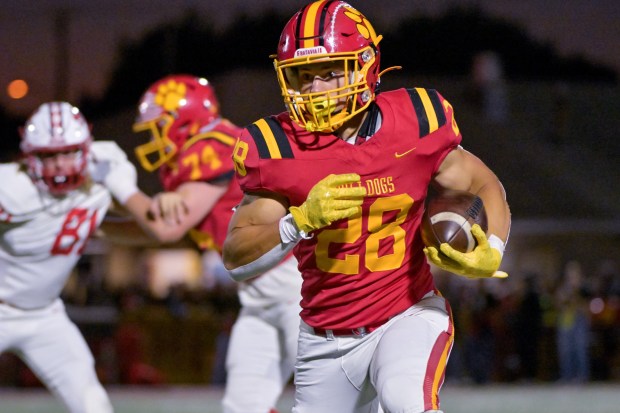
389	69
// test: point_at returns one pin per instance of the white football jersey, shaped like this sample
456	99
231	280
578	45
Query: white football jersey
42	237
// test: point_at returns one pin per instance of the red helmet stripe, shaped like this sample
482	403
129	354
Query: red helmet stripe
299	26
56	124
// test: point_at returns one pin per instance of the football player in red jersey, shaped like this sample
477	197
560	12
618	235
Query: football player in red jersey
341	178
191	146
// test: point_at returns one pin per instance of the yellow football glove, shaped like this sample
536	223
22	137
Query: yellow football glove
482	262
328	201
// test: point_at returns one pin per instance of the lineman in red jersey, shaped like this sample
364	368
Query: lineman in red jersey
191	145
341	177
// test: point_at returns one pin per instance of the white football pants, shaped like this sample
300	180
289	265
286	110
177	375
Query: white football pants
54	349
261	357
398	368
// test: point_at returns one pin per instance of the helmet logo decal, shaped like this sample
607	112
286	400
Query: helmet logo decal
171	95
363	25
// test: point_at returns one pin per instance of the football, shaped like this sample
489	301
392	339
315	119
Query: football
449	216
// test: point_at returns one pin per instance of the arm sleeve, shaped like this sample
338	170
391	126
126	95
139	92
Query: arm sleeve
264	263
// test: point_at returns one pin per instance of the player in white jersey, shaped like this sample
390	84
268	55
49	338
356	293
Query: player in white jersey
49	206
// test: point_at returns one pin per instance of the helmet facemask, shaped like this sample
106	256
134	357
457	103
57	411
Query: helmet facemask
159	149
326	111
58	181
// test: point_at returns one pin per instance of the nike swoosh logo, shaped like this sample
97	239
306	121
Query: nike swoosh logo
400	155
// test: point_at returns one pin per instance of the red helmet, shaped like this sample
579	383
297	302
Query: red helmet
173	109
56	128
326	31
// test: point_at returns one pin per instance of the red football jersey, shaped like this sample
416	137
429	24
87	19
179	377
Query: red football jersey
364	270
207	157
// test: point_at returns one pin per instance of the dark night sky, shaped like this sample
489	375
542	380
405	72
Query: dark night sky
589	28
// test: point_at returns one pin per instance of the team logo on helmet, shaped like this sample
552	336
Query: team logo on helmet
172	110
171	95
363	25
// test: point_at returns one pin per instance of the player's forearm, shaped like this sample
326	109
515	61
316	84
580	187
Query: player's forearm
496	207
138	206
479	179
244	245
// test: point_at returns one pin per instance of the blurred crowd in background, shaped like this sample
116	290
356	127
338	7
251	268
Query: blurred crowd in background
530	328
537	327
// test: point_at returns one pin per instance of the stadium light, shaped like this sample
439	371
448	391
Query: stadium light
17	89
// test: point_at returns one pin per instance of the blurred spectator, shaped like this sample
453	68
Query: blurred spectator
547	357
489	86
573	325
528	326
605	312
176	300
226	321
131	342
478	341
133	367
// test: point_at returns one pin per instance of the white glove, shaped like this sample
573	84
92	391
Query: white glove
109	165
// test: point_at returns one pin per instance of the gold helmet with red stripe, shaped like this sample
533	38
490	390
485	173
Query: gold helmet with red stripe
326	31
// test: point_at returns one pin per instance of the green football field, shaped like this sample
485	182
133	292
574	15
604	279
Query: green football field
591	398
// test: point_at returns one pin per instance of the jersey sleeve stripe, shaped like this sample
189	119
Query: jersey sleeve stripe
437	106
428	109
270	139
261	145
418	106
281	139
